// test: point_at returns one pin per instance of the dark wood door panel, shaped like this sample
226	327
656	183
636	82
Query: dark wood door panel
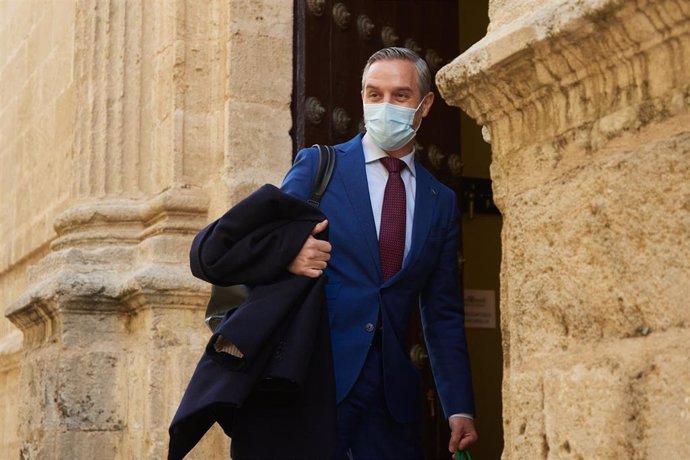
333	40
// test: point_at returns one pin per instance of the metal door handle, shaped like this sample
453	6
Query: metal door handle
418	355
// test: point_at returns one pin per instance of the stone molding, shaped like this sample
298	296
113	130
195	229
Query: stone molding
572	65
96	264
177	210
115	292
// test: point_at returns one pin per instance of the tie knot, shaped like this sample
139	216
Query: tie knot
393	165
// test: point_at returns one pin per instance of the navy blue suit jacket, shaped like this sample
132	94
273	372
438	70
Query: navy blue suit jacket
356	290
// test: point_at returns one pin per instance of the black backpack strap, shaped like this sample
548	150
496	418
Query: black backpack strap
323	173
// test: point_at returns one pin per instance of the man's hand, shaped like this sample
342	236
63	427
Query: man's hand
462	433
314	255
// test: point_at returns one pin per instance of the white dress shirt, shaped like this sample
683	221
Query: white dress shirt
377	176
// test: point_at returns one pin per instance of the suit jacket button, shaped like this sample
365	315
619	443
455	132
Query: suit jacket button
369	327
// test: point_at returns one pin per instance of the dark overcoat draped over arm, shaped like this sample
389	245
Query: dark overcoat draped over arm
276	397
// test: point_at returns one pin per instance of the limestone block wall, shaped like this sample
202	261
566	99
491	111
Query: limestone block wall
36	45
36	129
125	126
586	105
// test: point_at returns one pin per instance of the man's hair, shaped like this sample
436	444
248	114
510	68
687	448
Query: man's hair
405	54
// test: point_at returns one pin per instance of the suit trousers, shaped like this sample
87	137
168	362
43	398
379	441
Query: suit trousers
365	428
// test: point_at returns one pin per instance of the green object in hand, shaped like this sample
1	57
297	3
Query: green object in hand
463	455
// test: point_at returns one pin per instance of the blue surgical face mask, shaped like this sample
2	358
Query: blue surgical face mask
390	125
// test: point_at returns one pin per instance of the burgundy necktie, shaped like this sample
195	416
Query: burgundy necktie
392	230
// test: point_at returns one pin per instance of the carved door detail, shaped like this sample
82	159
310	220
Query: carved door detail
333	40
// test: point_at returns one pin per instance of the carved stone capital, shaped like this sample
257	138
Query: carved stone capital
580	72
179	209
115	256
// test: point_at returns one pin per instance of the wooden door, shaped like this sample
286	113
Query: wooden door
333	40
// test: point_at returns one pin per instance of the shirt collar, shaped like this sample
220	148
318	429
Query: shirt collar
373	152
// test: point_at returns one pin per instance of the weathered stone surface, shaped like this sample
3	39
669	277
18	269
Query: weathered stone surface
612	400
126	126
587	108
594	257
10	354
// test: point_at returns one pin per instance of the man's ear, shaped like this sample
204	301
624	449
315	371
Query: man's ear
428	101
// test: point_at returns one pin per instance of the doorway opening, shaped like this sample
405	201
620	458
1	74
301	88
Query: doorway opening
332	42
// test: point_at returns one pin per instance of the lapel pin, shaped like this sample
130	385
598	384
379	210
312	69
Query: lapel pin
434	192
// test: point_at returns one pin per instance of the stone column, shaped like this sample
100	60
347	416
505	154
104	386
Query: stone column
112	319
586	105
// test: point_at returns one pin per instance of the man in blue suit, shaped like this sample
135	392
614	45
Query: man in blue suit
393	232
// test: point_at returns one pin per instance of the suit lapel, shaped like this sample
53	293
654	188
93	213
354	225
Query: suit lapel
426	199
357	188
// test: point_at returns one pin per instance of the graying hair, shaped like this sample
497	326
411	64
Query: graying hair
405	54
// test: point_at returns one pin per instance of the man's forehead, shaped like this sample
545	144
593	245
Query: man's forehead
391	70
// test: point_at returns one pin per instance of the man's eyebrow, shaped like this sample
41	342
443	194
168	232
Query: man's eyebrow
398	88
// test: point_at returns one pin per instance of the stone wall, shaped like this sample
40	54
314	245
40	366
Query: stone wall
126	126
587	108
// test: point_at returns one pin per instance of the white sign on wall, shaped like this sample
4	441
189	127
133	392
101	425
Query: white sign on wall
480	308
